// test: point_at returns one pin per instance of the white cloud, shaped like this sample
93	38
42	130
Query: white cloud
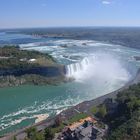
106	2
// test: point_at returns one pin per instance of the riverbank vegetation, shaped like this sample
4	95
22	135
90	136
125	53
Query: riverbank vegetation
14	57
122	115
125	122
18	67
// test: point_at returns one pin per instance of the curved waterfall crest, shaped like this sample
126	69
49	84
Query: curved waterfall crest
100	67
73	69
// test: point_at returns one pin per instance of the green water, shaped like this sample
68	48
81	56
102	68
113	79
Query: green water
18	105
109	68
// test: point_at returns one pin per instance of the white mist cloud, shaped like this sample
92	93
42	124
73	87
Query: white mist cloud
106	2
102	68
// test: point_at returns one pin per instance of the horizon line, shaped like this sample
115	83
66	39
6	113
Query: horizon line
115	26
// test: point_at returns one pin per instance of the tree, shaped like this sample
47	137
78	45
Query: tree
102	111
14	138
94	110
57	121
39	136
31	132
48	134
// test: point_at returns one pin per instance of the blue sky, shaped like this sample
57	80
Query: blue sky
48	13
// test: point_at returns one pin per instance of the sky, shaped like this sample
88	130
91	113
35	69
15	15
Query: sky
63	13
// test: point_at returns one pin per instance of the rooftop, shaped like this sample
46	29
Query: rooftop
74	125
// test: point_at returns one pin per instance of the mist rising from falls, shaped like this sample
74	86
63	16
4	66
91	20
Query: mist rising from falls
73	70
102	68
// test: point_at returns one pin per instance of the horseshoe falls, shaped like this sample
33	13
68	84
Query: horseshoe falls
96	68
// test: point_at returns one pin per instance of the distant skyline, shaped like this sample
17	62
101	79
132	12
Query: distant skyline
67	13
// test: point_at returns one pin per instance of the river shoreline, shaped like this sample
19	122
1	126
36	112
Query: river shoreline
68	113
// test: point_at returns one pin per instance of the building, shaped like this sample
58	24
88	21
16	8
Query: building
84	129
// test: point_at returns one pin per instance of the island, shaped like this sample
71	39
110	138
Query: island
18	67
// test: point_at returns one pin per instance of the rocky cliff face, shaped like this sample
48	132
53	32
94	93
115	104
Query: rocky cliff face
36	76
11	80
50	71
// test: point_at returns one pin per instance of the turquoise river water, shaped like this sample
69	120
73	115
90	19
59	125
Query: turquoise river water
97	67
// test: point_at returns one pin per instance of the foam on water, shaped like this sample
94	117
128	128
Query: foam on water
97	66
81	48
35	112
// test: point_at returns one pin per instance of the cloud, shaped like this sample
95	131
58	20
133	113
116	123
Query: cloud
106	2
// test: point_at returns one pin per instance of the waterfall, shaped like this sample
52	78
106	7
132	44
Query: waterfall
74	69
100	68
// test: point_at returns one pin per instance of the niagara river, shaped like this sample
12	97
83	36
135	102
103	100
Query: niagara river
96	68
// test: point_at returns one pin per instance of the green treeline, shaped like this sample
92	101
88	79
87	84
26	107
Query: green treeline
14	57
124	123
